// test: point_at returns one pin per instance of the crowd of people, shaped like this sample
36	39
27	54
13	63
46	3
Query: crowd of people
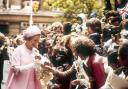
86	55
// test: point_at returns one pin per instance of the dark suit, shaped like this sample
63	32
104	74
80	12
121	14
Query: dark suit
3	56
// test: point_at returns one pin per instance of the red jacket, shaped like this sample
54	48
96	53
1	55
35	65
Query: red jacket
96	65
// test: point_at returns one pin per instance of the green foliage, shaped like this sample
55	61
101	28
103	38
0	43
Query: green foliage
71	8
99	8
112	3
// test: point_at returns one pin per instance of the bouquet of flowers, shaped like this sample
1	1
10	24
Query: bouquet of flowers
43	74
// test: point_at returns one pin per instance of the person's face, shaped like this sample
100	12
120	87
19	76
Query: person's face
79	21
33	42
59	30
90	31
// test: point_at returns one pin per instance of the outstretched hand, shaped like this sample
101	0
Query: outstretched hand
48	67
75	82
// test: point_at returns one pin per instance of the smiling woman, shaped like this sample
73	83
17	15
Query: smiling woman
32	36
22	73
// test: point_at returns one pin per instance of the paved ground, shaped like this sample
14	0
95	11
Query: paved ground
5	73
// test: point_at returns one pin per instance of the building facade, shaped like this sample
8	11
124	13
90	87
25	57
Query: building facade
15	15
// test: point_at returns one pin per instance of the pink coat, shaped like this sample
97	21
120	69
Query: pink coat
24	75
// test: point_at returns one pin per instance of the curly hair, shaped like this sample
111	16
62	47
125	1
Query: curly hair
85	46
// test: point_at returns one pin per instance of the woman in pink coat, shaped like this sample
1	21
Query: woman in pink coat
22	73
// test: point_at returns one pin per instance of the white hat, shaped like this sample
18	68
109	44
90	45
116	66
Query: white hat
82	16
32	31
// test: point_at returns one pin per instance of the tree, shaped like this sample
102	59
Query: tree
71	8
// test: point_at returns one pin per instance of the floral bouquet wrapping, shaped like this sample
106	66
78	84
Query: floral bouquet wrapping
43	74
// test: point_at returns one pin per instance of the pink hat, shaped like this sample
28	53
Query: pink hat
32	31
